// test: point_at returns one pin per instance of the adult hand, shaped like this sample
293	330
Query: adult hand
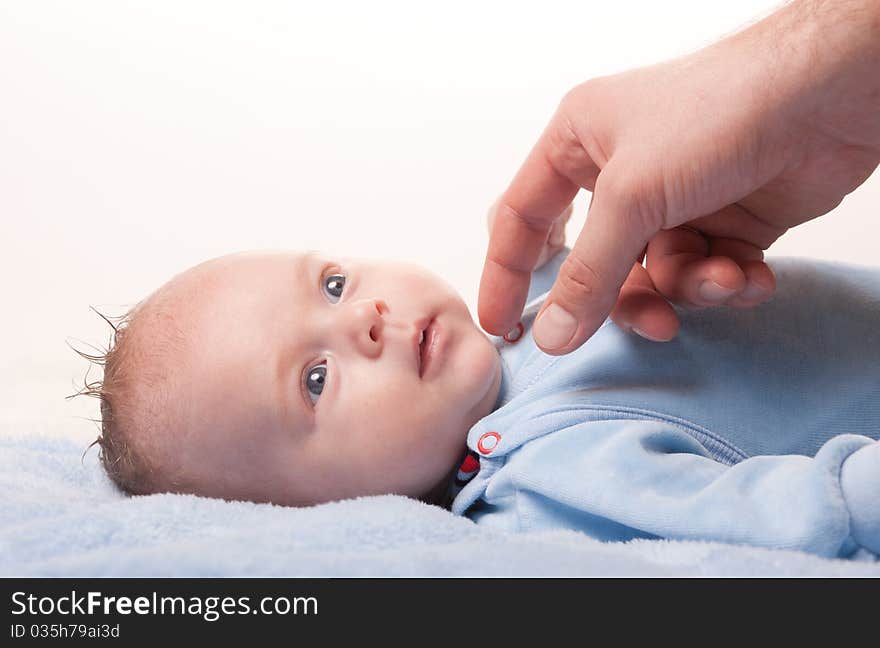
700	163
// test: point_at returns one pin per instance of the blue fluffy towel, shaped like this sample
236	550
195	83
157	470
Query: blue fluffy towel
61	517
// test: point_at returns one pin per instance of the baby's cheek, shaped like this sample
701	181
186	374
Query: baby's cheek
482	362
404	459
424	437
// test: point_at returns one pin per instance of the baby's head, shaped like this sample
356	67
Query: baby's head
295	379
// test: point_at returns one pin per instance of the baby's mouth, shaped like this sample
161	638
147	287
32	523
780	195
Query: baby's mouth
427	342
421	351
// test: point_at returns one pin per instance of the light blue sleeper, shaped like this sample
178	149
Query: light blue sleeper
753	426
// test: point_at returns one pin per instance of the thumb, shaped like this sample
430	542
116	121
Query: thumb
590	278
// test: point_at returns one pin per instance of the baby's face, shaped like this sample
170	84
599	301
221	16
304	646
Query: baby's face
301	379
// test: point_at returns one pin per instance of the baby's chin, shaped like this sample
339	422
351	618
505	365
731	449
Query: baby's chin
486	365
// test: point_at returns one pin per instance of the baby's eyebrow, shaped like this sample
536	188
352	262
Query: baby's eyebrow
308	274
309	258
309	270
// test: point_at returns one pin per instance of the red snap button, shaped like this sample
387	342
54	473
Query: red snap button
488	442
515	334
469	465
468	468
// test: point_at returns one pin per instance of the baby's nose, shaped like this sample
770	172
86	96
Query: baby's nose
368	321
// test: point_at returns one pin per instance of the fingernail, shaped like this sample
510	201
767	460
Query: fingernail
555	327
641	333
557	237
711	291
753	291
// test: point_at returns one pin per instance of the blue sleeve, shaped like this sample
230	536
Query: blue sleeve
655	477
543	278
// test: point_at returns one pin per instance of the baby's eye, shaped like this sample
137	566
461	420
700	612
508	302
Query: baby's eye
315	379
333	285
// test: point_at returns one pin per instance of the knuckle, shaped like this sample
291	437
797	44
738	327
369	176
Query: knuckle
582	95
564	138
636	200
573	97
566	151
577	279
571	136
508	214
680	196
615	186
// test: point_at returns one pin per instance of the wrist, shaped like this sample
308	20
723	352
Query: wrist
839	40
815	64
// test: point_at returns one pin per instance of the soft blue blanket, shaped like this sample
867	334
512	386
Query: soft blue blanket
60	517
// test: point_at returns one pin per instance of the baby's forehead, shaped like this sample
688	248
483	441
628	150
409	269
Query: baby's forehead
238	285
253	261
241	270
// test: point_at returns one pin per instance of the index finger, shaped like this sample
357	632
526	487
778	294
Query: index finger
540	191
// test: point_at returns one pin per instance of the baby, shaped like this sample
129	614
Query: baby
302	378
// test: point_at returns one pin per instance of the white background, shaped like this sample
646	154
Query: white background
139	138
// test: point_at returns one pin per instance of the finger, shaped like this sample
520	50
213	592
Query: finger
554	171
683	278
591	276
515	243
505	280
557	230
735	222
760	285
682	271
760	280
642	310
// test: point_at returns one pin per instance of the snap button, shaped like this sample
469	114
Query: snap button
468	468
488	442
514	334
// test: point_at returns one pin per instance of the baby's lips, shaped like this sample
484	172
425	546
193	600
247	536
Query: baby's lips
416	342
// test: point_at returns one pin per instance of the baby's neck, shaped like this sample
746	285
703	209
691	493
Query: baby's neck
437	494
